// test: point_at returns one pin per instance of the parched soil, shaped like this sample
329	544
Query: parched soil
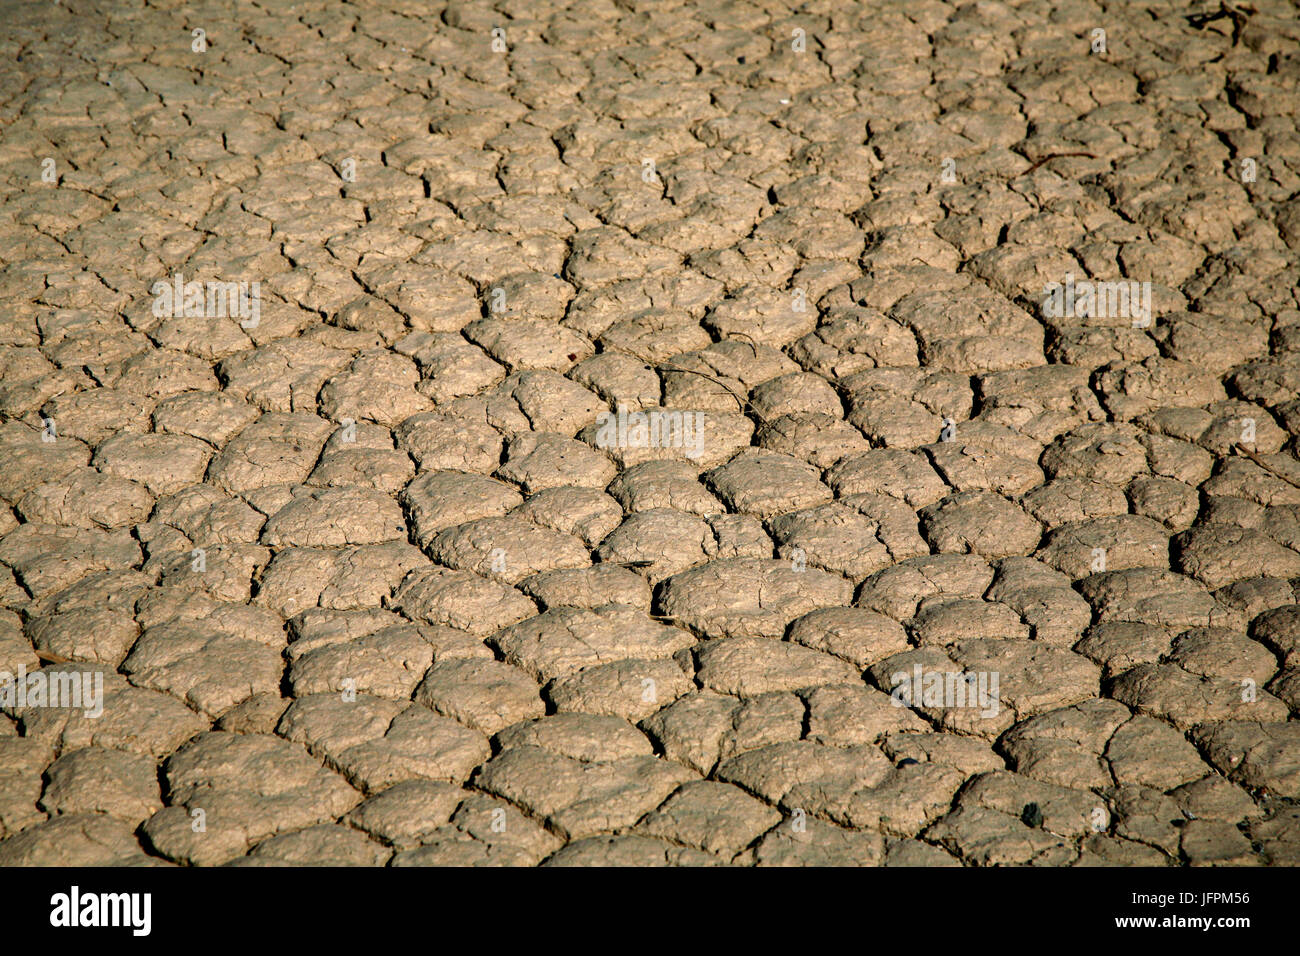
630	432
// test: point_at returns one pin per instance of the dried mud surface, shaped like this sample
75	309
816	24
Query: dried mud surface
369	583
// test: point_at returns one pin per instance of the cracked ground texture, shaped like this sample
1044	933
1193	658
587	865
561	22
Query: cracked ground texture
364	582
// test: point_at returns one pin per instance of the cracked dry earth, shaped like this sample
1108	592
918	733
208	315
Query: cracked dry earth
364	583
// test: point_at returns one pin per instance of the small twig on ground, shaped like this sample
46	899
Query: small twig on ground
1265	465
748	341
1051	156
717	381
1239	17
